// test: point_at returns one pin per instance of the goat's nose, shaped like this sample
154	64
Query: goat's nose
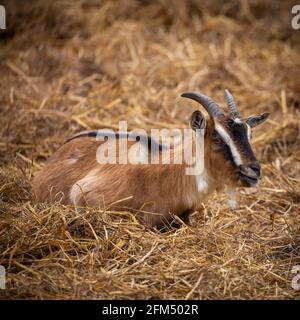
255	166
252	170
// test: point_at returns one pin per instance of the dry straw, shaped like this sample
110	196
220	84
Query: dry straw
76	65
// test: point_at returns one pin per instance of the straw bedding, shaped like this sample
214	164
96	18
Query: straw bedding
68	66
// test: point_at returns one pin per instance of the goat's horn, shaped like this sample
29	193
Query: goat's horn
231	104
210	106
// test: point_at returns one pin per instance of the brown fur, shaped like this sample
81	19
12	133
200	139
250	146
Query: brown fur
142	185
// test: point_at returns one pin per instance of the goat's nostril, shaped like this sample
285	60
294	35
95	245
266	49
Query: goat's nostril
255	167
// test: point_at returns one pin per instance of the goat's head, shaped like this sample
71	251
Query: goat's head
228	139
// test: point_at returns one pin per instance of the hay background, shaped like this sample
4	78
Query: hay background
75	65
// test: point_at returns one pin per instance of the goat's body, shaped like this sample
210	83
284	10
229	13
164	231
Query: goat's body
73	176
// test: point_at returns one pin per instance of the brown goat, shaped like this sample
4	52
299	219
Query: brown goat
73	175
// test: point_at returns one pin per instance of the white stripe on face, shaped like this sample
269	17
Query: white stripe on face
238	120
248	132
227	139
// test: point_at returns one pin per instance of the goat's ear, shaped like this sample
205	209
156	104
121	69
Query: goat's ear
197	121
254	121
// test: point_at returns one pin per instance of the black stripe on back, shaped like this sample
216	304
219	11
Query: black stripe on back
97	133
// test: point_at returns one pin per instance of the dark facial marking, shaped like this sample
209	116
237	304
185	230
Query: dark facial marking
238	132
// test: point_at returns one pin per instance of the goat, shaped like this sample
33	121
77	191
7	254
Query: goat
156	192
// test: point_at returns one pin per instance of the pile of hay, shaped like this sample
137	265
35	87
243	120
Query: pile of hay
68	66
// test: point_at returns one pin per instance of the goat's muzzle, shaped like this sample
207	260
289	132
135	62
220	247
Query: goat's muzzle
250	174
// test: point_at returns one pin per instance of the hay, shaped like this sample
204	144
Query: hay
76	65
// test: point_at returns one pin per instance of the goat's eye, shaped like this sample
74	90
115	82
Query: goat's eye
216	138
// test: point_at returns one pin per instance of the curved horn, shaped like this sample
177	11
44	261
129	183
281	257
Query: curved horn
210	106
231	104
